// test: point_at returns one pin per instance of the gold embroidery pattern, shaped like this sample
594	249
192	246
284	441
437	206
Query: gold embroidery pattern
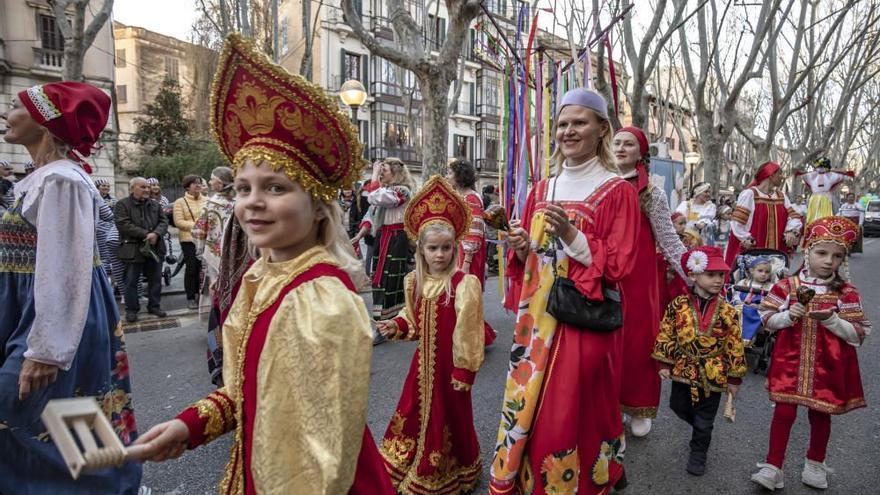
437	202
399	449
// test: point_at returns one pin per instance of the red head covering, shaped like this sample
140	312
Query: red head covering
704	259
261	112
641	166
675	216
838	230
765	171
73	112
437	202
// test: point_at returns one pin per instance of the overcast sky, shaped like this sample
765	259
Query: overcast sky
168	17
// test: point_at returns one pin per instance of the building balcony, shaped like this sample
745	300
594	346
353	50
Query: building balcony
51	60
487	165
407	154
382	27
464	108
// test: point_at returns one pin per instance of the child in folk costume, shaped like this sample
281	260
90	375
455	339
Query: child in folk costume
821	182
819	321
431	445
295	380
748	293
701	350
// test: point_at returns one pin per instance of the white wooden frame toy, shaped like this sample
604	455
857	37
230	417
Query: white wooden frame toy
83	416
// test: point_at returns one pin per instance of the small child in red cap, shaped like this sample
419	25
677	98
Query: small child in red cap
700	348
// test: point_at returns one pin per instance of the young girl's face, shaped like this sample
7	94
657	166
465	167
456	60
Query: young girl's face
438	248
275	212
825	258
679	224
761	273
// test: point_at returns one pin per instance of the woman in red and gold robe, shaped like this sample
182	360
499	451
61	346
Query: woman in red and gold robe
295	382
431	445
561	427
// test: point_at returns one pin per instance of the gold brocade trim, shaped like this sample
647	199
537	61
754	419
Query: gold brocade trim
215	425
437	202
639	412
396	450
233	480
428	323
460	385
280	162
818	405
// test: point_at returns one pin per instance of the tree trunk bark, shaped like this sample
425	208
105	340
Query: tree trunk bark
435	124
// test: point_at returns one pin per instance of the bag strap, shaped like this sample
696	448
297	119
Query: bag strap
189	209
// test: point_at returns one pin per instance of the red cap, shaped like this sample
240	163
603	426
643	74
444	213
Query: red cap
675	216
704	259
74	112
765	171
640	137
642	179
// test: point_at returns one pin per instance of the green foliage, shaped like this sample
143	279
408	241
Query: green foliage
200	158
163	130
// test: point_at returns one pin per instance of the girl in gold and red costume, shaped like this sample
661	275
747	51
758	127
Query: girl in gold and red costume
296	381
561	427
431	446
819	322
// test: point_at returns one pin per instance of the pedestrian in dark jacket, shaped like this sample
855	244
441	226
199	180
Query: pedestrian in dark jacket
141	226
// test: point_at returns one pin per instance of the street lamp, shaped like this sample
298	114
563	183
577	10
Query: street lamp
692	159
353	94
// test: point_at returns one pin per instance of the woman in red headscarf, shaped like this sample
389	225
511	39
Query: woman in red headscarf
640	391
763	216
59	332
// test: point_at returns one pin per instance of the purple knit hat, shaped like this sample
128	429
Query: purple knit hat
586	98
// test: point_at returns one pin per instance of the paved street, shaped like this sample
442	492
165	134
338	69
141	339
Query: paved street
169	371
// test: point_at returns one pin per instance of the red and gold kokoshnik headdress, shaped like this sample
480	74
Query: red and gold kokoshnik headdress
437	202
261	112
838	230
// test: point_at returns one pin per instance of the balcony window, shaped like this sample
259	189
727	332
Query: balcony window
463	147
51	51
354	67
121	93
437	32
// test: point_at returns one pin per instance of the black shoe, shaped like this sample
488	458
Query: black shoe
131	316
696	463
157	312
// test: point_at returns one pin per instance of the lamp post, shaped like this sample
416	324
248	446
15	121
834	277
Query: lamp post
692	159
353	94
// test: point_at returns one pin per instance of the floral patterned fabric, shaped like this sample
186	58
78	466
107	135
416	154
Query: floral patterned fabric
703	348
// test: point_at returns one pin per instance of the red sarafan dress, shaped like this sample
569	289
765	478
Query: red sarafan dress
561	427
811	366
474	244
431	445
766	217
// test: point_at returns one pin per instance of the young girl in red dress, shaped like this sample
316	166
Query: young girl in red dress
819	322
295	380
431	446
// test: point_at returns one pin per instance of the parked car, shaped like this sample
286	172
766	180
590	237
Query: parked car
872	219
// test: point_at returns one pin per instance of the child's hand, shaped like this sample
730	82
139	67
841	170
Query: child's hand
164	441
664	373
732	389
797	311
387	328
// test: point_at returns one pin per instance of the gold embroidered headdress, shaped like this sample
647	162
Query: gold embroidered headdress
437	202
261	112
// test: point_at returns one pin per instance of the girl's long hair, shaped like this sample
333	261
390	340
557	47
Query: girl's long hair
333	236
400	175
422	271
603	150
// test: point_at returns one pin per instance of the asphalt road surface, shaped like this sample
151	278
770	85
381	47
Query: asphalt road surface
169	372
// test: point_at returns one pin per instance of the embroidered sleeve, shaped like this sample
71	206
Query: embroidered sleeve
64	213
474	239
734	351
774	307
741	218
850	310
664	232
795	221
389	197
406	327
666	345
468	336
200	229
209	418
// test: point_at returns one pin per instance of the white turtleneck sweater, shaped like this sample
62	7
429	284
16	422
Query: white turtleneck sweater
576	183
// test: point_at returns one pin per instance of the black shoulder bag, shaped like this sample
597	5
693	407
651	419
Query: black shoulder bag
568	305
